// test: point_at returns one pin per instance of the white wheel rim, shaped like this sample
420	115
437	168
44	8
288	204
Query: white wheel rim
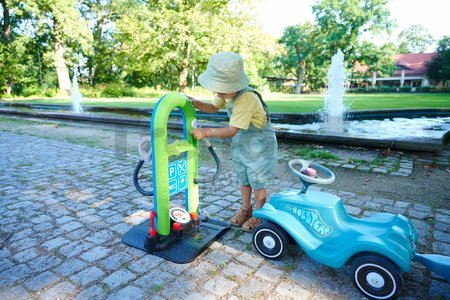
262	231
394	283
375	280
269	242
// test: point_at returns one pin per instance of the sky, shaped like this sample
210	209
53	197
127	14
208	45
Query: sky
274	15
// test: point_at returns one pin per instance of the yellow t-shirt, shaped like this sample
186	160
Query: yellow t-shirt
246	109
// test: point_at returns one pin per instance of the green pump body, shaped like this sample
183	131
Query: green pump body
163	182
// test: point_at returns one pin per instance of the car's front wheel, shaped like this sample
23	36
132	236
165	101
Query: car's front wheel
377	277
270	240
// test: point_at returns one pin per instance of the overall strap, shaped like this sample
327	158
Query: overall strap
249	89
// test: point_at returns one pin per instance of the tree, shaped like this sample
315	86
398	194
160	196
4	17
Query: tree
340	24
102	15
178	37
439	67
16	61
61	20
415	39
379	59
298	47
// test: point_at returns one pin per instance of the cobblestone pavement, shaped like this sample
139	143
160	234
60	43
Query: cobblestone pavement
64	208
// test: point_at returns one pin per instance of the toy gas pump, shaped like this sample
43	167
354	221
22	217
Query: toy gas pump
176	234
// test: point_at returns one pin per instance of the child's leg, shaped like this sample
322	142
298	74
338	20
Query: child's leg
245	212
260	198
246	193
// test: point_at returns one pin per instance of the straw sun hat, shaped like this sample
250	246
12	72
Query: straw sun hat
224	73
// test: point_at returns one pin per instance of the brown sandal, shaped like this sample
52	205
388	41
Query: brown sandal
251	224
241	216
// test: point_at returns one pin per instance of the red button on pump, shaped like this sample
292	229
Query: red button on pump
194	215
152	232
176	226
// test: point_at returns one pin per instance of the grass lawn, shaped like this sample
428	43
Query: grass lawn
284	102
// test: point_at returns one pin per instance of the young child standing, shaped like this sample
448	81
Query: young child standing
253	143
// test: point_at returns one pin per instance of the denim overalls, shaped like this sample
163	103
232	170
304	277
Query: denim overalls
254	151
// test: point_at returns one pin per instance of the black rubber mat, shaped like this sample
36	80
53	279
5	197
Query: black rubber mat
184	250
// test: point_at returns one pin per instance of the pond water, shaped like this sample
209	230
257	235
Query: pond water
395	128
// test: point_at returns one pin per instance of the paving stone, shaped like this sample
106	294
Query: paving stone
442	227
380	170
178	289
145	264
63	290
14	274
14	293
441	248
250	260
154	279
442	236
87	276
94	292
292	291
75	248
115	261
352	210
443	218
418	214
253	289
26	255
95	254
219	286
78	234
45	262
55	243
41	281
118	278
5	264
69	267
422	208
236	270
24	244
219	257
401	204
269	274
71	226
383	201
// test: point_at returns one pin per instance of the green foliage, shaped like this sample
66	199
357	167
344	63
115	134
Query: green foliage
309	153
117	90
414	39
341	22
439	67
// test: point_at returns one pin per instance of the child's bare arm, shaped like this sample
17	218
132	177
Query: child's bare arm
203	106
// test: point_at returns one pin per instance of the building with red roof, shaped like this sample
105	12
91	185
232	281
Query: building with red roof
411	71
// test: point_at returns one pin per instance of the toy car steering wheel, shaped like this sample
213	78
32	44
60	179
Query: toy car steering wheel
305	164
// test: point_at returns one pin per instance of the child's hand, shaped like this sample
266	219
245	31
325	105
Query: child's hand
199	133
192	100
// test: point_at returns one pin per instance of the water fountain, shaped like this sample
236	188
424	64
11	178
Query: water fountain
387	129
334	104
76	95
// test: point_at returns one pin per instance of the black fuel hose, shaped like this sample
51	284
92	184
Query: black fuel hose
218	167
136	180
138	167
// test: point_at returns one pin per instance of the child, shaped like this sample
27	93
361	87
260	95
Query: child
253	143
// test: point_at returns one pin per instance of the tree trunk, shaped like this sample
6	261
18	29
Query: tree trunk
9	86
185	67
300	77
6	32
61	69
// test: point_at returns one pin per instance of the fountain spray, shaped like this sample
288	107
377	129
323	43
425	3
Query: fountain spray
334	97
76	95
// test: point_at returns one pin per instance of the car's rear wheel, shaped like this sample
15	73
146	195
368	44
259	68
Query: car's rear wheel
376	277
